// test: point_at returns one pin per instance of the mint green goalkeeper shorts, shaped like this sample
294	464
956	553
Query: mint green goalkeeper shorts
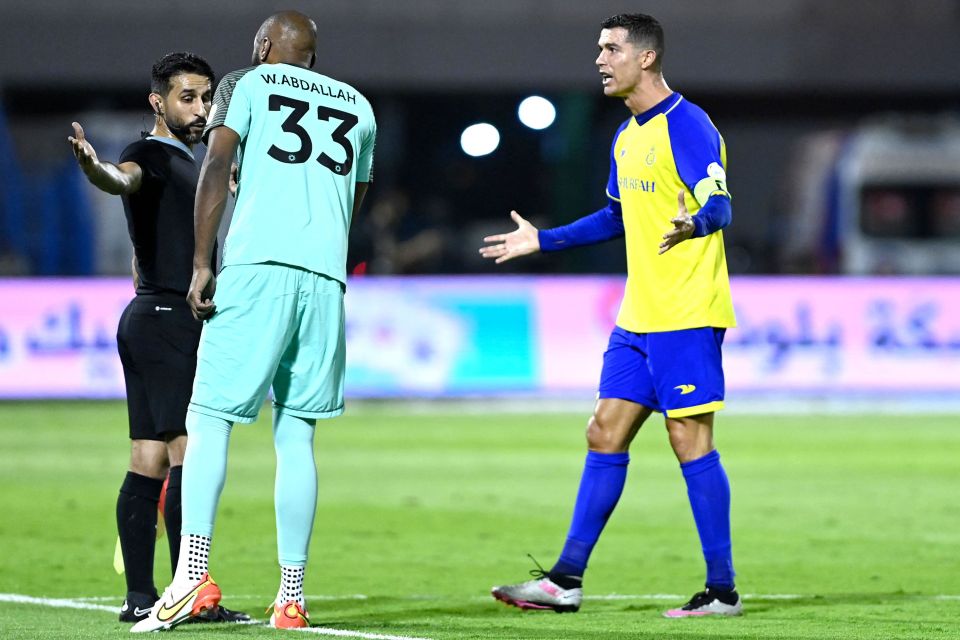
278	326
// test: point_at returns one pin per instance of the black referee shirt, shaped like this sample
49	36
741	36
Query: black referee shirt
160	215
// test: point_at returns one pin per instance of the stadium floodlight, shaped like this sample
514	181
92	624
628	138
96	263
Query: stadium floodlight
479	139
537	112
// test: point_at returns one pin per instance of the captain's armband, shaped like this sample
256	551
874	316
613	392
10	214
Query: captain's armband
714	184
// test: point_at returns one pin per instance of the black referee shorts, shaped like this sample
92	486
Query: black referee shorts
157	340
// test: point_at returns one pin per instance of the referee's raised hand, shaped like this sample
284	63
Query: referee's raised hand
120	179
82	149
524	240
203	285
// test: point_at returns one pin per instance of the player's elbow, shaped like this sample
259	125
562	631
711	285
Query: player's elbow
715	215
724	211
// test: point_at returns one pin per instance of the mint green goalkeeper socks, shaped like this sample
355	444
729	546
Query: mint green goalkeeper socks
295	491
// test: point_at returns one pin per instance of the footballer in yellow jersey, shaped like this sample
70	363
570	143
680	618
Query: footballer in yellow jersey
667	194
670	148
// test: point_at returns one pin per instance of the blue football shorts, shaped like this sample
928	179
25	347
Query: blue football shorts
678	373
275	325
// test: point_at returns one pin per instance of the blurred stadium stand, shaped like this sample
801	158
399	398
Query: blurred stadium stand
780	79
738	45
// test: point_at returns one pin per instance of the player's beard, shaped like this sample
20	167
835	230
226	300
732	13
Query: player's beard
185	131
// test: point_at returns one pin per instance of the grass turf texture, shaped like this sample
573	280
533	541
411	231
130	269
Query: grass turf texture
421	514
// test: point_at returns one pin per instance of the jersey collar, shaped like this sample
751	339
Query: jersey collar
663	106
173	142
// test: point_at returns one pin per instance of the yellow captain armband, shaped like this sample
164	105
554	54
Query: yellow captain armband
715	183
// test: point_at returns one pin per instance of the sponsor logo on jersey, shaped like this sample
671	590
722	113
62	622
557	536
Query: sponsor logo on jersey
636	184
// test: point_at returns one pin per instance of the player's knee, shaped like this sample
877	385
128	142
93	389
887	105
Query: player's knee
602	437
681	445
689	438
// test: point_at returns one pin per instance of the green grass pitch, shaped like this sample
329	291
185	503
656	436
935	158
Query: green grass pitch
844	526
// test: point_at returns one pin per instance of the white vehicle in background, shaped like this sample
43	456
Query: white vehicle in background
897	198
880	199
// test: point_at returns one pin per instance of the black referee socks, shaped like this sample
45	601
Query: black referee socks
173	514
137	526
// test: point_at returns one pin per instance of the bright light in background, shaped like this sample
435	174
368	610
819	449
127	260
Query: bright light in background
479	139
536	112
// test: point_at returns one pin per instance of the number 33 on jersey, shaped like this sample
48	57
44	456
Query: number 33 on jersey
305	140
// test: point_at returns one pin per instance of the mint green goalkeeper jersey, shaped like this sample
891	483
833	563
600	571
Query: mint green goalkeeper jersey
305	141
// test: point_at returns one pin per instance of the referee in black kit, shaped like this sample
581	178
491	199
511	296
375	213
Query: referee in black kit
157	337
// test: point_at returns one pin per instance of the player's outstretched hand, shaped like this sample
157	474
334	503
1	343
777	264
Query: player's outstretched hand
82	149
682	227
200	297
507	246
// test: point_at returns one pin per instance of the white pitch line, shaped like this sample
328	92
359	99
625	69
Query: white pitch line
99	599
323	631
233	596
624	596
483	598
62	603
71	603
755	596
674	596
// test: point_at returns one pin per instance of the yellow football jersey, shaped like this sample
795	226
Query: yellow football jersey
672	147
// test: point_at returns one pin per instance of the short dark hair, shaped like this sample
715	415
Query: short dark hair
174	64
642	30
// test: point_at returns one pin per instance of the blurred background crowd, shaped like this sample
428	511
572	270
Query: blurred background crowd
842	124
